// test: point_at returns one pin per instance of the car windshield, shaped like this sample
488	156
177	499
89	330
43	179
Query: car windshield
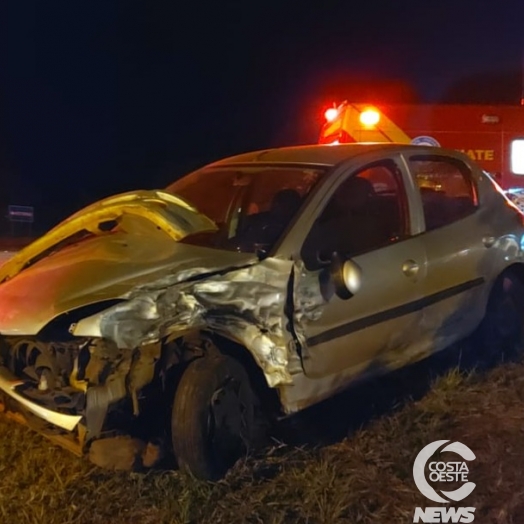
252	206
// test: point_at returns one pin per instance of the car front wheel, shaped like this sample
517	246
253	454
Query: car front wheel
212	417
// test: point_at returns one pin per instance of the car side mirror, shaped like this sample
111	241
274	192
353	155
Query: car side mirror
346	276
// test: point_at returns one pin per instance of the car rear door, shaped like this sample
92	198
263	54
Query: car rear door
379	325
456	240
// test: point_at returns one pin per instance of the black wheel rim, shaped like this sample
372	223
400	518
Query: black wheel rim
228	423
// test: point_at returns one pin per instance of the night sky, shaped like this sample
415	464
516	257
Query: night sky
104	97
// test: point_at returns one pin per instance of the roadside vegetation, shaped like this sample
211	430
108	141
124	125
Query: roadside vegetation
327	472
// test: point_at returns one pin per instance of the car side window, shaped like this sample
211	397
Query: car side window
446	188
368	210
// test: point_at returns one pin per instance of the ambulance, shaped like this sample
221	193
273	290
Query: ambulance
493	136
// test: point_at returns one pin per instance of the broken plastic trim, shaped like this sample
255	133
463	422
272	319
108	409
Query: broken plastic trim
8	384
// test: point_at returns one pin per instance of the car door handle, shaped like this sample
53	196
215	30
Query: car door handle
488	241
410	268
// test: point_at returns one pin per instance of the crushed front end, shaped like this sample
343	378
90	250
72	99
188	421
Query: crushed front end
75	391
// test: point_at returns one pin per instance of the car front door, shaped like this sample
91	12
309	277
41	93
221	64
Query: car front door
367	219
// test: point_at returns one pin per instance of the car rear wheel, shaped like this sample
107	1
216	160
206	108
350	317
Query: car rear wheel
500	336
213	416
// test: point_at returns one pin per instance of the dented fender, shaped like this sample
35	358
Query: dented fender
247	305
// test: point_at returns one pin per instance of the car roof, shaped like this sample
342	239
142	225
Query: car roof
326	155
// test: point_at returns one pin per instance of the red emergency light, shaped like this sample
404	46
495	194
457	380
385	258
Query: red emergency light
331	114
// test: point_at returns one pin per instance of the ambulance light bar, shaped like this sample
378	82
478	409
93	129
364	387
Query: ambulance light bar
369	117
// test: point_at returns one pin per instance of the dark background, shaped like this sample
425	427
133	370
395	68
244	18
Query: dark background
103	97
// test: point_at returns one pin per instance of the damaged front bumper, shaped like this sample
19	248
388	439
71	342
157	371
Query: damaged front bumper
74	386
9	384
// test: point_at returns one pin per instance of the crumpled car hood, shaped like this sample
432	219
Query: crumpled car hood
47	278
170	214
127	249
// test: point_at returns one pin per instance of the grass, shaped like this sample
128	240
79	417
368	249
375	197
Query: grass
363	478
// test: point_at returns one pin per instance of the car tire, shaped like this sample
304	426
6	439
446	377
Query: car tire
500	336
213	416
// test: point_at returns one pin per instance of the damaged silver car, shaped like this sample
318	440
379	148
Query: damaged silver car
256	286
